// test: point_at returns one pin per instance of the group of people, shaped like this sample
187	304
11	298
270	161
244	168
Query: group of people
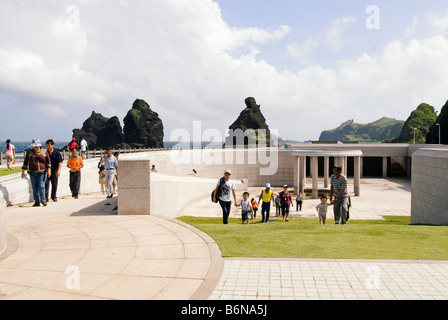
44	169
225	190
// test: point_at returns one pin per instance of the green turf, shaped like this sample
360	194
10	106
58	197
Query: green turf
5	171
393	238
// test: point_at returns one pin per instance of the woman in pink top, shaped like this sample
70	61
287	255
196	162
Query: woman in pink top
10	153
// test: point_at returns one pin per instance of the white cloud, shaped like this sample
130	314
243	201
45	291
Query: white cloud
334	36
176	55
303	52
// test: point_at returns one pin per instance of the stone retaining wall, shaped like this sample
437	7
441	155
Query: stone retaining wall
430	187
3	236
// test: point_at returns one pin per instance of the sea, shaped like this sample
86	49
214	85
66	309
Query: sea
23	146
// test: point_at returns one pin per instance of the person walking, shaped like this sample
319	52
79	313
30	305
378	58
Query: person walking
299	201
56	165
266	196
111	167
72	145
339	190
83	146
10	154
222	192
75	164
246	208
285	202
37	163
254	207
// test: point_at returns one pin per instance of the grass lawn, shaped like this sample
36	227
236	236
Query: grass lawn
5	172
393	238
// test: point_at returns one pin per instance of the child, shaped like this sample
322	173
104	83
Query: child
321	209
246	208
75	164
254	208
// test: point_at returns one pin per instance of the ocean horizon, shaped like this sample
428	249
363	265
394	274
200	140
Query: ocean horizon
22	146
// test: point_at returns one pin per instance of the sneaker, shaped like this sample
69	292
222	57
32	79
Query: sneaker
36	205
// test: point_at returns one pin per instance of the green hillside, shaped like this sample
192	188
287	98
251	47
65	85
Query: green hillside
378	131
417	125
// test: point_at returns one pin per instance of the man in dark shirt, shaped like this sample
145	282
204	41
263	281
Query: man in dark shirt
56	164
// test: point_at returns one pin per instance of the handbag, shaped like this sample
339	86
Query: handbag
222	182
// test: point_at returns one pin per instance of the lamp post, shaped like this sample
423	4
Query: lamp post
415	130
438	124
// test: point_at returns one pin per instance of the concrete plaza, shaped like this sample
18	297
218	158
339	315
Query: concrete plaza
80	249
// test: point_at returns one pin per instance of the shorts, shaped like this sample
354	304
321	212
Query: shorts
245	215
323	215
9	158
285	210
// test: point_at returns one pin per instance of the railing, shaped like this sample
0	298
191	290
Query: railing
89	154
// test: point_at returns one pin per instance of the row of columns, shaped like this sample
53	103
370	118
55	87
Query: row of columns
300	173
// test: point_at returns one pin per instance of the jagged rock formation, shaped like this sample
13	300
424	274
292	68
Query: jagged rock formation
433	133
100	132
420	119
143	127
252	125
378	131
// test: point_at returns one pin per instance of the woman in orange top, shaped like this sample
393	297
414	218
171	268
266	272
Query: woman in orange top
75	164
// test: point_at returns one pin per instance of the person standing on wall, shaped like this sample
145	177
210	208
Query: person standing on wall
224	187
111	167
267	196
56	164
339	190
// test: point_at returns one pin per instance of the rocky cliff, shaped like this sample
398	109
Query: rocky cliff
417	125
142	128
252	124
100	132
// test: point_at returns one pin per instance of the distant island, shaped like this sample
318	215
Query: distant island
378	131
421	127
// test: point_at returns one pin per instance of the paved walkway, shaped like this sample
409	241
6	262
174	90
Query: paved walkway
80	249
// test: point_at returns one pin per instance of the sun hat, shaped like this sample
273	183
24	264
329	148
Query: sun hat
35	143
228	171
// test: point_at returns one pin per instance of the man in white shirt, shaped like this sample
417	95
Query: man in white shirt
83	148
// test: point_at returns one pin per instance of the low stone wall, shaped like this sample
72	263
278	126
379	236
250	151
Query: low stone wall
430	187
142	192
3	236
15	190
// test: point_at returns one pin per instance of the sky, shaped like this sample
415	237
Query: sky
311	65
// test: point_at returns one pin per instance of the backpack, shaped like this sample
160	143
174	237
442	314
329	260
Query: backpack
222	183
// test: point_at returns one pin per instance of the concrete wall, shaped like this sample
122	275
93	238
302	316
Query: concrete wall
430	187
15	190
3	236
